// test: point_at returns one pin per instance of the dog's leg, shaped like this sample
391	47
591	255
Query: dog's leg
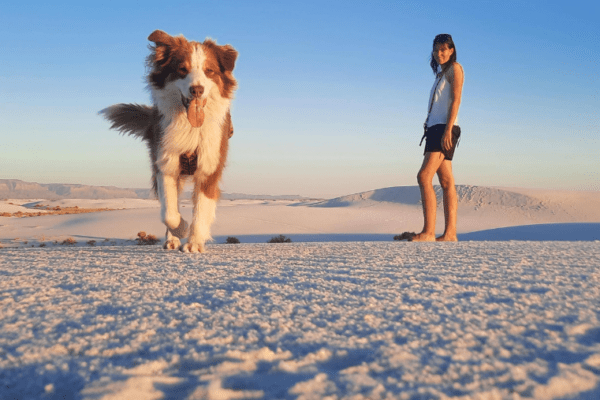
176	226
204	215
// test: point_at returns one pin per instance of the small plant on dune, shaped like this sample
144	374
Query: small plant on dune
232	240
147	240
280	239
91	242
69	242
42	244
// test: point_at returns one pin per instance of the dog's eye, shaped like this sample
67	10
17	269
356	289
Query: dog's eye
182	71
209	71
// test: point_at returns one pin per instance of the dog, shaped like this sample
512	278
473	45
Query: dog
187	129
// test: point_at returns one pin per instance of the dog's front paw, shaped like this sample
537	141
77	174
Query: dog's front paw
193	247
172	244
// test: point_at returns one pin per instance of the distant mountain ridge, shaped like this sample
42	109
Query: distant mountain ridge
17	189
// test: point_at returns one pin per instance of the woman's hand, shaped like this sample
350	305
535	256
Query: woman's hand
447	140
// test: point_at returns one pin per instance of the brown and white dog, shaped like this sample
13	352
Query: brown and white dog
187	129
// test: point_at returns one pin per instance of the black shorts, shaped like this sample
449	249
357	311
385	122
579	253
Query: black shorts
434	135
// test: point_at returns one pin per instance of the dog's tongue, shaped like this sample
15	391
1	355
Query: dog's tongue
196	112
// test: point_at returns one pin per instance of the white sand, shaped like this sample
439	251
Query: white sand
356	320
375	215
470	320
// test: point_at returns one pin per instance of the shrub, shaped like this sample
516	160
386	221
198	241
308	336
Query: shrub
91	242
280	239
69	242
146	240
405	236
232	240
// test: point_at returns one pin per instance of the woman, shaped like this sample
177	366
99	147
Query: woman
442	133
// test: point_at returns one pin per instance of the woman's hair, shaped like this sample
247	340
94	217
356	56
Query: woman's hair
440	39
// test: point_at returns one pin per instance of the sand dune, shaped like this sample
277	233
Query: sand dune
475	196
398	320
478	197
539	232
499	206
373	216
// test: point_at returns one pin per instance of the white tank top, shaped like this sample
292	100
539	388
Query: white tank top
442	97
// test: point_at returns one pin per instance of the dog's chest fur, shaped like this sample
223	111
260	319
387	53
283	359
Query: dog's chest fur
179	137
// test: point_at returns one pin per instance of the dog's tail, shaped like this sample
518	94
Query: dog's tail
132	119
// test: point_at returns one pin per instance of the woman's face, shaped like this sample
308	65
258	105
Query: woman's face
442	53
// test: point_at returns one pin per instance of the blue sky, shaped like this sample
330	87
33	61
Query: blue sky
332	94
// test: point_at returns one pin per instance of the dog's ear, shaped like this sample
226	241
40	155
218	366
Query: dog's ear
227	56
160	38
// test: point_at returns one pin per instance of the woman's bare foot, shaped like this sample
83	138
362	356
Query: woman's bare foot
447	238
423	237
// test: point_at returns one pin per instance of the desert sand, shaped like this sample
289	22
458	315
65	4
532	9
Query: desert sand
484	214
502	314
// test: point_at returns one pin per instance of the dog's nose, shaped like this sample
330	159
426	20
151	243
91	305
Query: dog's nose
197	90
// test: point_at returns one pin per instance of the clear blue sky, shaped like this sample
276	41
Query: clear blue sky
332	94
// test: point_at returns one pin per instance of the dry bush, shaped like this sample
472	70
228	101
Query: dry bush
91	242
405	236
147	240
280	239
232	240
69	242
54	211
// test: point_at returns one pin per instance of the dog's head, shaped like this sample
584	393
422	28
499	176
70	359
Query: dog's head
197	70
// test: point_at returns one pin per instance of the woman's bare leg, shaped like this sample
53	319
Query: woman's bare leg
431	164
446	177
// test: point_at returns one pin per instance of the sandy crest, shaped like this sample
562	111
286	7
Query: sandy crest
388	211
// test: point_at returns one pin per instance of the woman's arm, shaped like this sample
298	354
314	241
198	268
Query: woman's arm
455	77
